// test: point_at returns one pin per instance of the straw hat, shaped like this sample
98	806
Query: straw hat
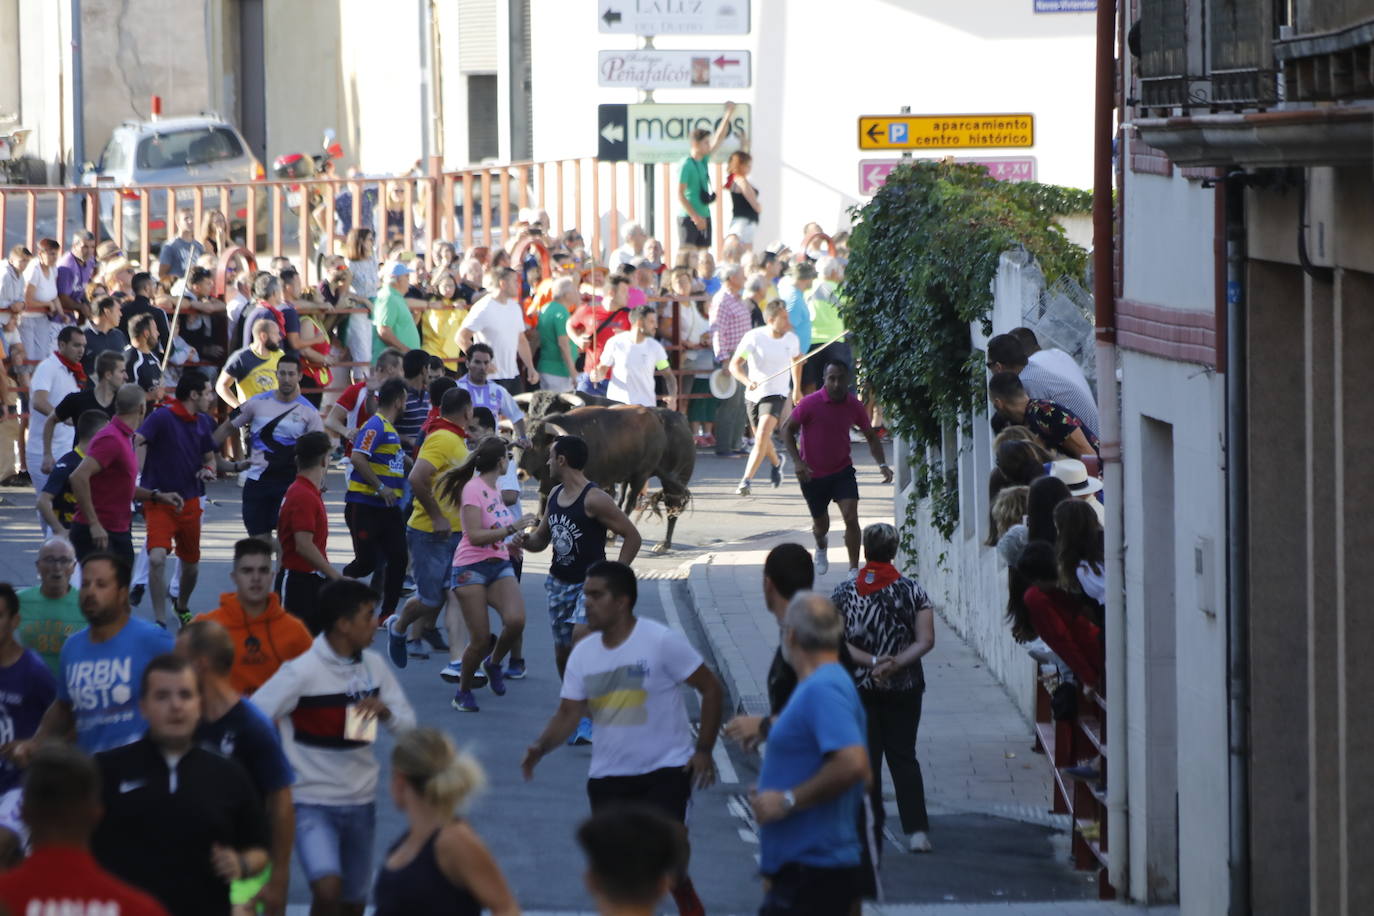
1075	475
723	384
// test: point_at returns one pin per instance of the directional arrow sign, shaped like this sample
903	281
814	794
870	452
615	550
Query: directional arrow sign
957	131
660	133
655	69
873	172
674	17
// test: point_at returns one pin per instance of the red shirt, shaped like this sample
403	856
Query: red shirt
825	426
354	403
1071	635
61	879
589	318
112	487
302	510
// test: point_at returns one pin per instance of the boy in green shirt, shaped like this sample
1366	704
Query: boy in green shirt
694	184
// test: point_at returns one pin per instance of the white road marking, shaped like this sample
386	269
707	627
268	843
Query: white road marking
724	768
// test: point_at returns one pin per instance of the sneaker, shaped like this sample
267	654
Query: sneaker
463	701
918	842
453	674
183	616
496	679
1084	772
435	637
395	643
136	595
415	648
743	489
775	474
515	669
583	735
822	562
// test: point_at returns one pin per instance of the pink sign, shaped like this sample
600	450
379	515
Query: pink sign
873	172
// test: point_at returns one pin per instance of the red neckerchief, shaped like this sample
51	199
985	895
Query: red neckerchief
875	576
441	424
76	369
179	409
433	417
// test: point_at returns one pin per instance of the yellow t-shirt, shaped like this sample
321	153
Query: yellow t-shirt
258	377
439	331
444	450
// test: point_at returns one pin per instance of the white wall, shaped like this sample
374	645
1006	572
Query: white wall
818	66
1170	221
382	89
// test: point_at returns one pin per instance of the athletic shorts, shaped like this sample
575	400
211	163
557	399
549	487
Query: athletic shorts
166	525
806	890
668	790
484	573
567	607
262	501
337	840
771	406
431	556
689	235
820	492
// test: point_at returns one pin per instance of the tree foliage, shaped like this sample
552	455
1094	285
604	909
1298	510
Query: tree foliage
923	255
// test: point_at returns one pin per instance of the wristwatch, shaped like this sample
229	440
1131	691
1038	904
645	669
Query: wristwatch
790	799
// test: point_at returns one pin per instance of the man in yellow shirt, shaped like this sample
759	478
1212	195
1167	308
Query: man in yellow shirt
252	370
435	527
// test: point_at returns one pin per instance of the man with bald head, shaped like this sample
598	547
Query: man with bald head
50	611
811	785
105	483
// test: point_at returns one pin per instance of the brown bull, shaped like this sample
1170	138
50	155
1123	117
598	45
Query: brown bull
626	446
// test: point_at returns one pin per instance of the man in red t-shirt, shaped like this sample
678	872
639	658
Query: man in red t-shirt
303	527
348	414
824	468
604	319
62	808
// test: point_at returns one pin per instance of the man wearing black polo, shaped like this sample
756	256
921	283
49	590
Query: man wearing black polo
181	822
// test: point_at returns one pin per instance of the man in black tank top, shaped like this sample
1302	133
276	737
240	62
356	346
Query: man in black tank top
576	519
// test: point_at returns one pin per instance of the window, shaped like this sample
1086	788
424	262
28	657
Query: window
187	148
483	139
114	158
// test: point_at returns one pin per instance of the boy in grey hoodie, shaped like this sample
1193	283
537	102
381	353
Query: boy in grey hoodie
327	703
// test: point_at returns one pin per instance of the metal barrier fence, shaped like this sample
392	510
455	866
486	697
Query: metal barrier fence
471	208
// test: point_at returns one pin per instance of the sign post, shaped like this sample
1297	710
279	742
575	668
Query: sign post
650	68
956	131
673	17
660	132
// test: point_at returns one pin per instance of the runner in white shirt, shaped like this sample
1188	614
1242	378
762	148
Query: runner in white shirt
629	674
52	381
635	356
498	321
493	397
767	352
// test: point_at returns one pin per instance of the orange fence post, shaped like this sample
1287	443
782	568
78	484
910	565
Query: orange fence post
720	209
486	207
303	235
558	188
119	219
408	215
666	171
29	220
613	230
328	191
251	221
276	221
577	198
143	258
467	211
61	232
357	222
92	212
631	210
197	209
522	174
596	212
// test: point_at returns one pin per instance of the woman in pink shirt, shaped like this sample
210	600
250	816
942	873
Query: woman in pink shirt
482	571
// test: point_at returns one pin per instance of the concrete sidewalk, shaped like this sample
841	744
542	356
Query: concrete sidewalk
974	747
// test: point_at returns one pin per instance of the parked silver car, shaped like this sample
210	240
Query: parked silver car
198	150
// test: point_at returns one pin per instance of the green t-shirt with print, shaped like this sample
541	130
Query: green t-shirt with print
45	623
693	174
553	324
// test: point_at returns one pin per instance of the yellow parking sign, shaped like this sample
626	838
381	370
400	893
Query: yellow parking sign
949	131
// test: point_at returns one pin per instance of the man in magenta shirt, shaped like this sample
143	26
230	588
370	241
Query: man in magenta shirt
824	469
104	483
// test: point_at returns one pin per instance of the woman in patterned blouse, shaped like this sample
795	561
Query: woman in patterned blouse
890	625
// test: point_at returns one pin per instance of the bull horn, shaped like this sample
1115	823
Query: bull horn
557	430
524	399
572	400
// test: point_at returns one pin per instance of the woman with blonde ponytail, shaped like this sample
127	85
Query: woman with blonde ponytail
440	866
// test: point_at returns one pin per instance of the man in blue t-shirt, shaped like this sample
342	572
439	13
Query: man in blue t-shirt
814	770
102	665
27	687
233	727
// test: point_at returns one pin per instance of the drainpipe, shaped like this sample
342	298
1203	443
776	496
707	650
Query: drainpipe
1237	547
78	95
1104	296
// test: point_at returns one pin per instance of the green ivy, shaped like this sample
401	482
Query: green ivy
923	255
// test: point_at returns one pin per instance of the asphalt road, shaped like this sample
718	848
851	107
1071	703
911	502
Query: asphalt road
530	826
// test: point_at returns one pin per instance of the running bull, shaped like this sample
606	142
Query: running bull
628	445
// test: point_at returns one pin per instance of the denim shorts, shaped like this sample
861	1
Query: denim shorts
431	556
337	840
567	607
484	572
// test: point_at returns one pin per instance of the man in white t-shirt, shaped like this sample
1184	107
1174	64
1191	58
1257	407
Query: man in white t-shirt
498	321
636	356
628	674
54	379
767	353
